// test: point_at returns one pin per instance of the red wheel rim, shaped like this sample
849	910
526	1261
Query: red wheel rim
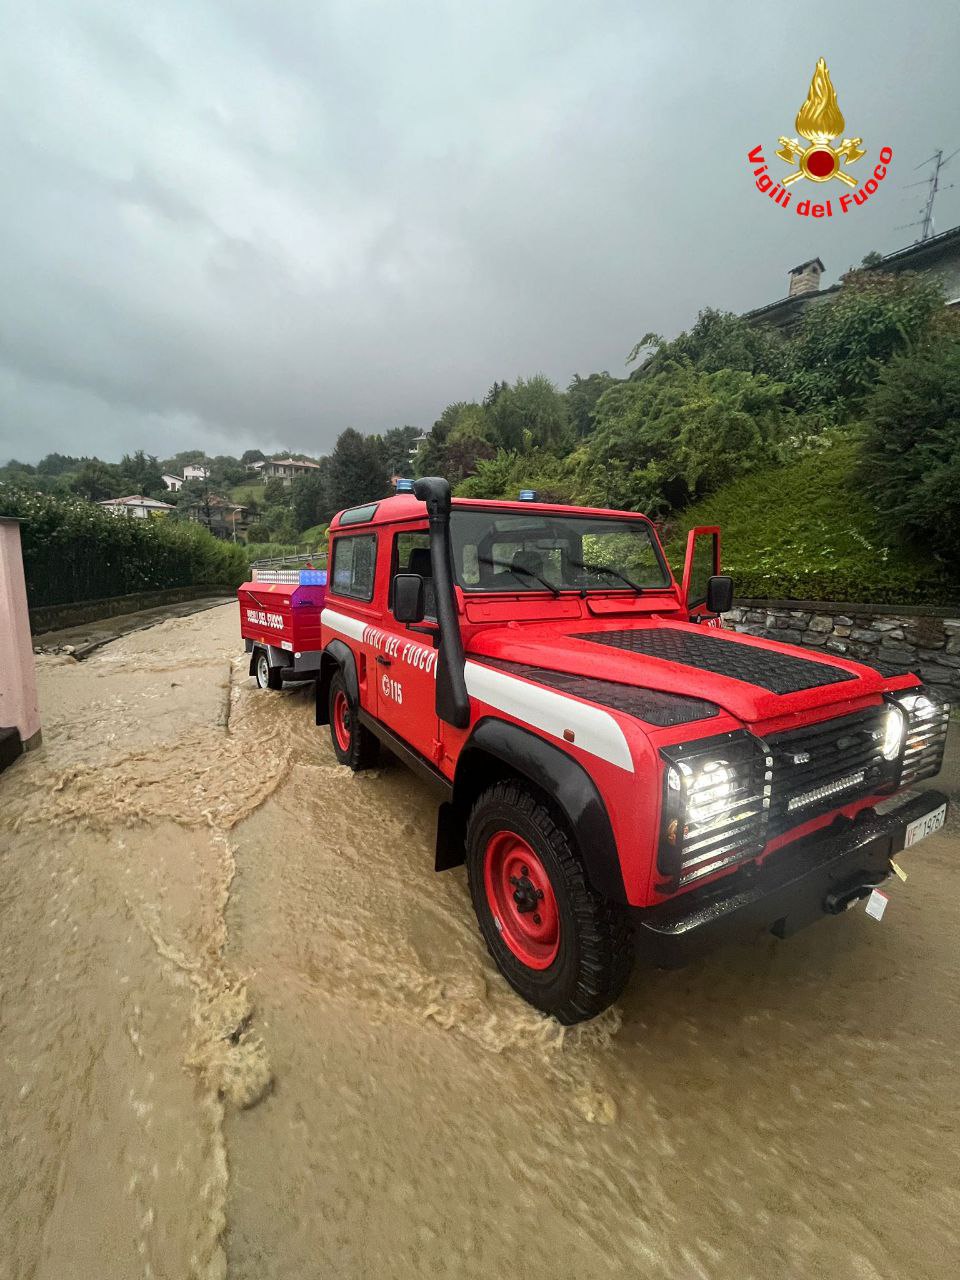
342	721
521	898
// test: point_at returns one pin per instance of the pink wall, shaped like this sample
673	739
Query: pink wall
18	686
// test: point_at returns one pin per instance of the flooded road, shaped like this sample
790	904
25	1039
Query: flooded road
245	1030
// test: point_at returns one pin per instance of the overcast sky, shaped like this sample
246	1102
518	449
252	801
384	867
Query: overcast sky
257	222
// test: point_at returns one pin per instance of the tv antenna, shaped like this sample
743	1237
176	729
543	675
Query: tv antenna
925	221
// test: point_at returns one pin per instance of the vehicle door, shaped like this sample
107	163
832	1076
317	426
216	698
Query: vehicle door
406	659
350	610
701	563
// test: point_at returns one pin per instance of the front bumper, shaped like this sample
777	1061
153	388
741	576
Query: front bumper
821	875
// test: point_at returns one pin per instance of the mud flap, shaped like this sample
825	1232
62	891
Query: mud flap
451	832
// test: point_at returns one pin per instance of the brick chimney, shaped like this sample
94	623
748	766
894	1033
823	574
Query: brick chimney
805	278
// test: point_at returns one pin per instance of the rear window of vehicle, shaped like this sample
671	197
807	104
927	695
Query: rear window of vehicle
354	563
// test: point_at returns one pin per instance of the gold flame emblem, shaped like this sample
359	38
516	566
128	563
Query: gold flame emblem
820	120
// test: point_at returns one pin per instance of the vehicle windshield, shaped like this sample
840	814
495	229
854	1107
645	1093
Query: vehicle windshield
500	551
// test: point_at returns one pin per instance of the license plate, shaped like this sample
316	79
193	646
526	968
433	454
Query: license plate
925	826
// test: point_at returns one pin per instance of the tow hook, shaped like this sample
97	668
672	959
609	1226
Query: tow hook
841	900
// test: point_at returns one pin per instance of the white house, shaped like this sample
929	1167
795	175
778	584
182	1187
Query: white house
136	506
195	472
173	483
284	469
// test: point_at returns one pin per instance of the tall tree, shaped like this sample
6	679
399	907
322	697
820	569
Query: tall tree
397	448
530	414
141	473
357	473
96	481
582	397
310	499
430	459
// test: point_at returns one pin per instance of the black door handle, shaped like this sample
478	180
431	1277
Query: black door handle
384	662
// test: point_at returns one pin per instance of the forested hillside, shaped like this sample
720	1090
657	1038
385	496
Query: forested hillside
832	456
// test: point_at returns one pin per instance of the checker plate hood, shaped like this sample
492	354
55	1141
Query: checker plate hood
751	678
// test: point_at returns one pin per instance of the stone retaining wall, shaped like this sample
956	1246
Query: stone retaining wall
926	642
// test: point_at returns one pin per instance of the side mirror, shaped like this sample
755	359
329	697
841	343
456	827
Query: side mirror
408	603
719	593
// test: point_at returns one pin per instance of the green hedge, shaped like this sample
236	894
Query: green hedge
74	551
807	531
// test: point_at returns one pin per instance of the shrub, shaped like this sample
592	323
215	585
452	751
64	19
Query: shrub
843	343
912	446
670	438
73	551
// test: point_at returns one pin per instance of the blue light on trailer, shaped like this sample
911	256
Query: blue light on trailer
528	495
404	485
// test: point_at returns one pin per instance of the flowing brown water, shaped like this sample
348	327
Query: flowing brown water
242	1022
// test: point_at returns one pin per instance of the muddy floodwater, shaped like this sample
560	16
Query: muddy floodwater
246	1031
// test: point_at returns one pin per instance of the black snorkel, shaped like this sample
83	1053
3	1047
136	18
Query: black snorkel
453	702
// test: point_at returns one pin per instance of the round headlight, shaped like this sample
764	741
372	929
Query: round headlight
893	733
709	790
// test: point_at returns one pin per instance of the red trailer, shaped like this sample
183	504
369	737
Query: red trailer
280	624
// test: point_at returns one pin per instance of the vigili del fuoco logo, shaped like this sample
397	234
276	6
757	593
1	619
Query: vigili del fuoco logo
819	121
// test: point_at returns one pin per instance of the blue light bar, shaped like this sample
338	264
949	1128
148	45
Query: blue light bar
404	485
528	495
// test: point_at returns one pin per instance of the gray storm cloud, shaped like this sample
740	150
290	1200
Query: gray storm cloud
259	223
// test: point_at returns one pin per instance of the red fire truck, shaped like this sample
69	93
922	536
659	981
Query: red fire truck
621	776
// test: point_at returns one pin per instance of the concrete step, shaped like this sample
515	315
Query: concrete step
11	747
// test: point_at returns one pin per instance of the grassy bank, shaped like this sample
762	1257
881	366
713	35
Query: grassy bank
808	531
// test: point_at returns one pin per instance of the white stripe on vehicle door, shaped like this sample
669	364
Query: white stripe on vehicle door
342	622
595	730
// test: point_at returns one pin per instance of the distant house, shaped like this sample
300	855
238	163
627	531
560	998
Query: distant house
223	518
173	483
137	506
937	258
195	472
285	469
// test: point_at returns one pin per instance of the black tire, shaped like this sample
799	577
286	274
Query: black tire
267	677
352	743
594	946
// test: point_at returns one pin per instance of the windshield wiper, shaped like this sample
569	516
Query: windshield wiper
518	568
605	568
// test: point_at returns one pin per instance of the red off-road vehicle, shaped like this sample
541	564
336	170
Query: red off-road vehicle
620	775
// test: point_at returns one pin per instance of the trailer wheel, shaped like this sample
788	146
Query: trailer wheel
352	743
267	677
563	947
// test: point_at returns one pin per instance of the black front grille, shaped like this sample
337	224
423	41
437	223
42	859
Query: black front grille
824	766
768	668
